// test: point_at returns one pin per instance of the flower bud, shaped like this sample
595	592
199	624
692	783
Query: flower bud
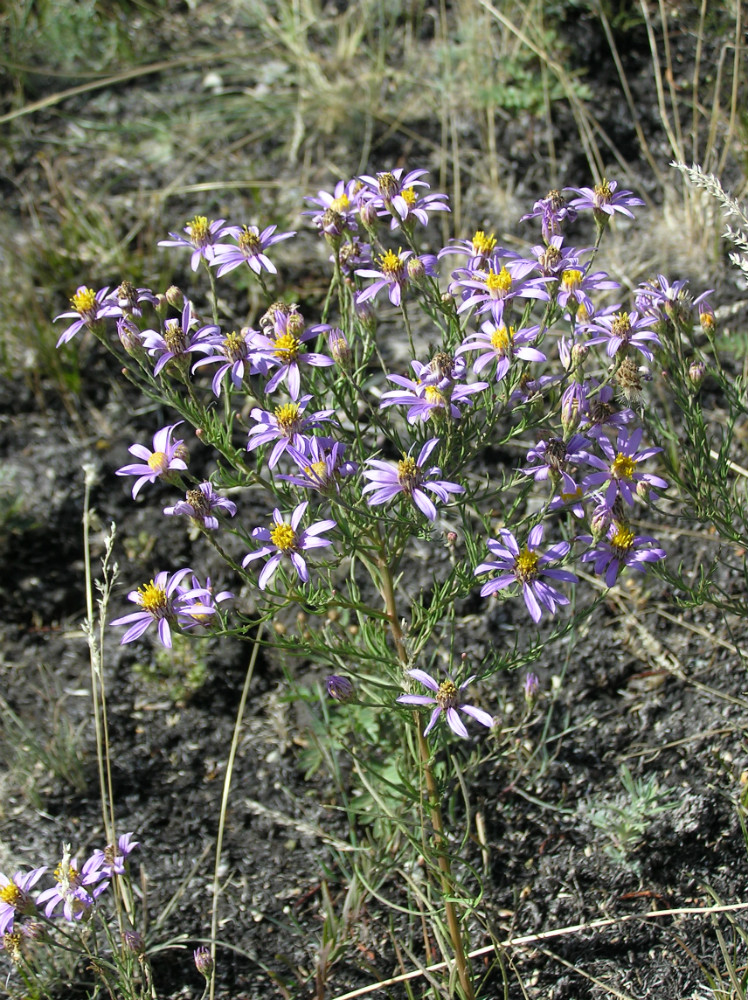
203	961
134	942
340	688
368	213
706	317
601	520
416	270
129	335
183	452
531	688
340	350
696	373
175	297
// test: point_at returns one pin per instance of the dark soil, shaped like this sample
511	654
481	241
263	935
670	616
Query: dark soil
639	687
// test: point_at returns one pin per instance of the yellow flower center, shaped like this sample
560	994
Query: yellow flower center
573	497
526	565
11	894
249	242
410	196
234	346
84	301
707	322
387	185
283	537
433	395
317	471
482	244
408	473
174	337
158	462
502	339
499	284
446	696
571	280
286	347
341	204
603	194
391	265
288	418
152	599
623	540
621	326
623	467
199	230
71	877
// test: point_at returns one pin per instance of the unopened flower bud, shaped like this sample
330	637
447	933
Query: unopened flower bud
416	270
579	354
340	349
134	942
368	213
643	490
295	321
183	452
339	688
707	318
531	688
601	520
129	335
175	297
203	961
696	373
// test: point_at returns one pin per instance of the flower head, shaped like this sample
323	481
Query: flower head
339	688
285	426
203	961
409	478
553	211
202	238
75	888
619	475
199	504
167	456
501	344
447	699
621	548
528	567
15	897
166	602
250	248
321	465
283	540
394	274
113	858
604	200
89	308
179	339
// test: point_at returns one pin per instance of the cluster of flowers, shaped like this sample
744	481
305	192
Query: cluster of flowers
23	911
592	466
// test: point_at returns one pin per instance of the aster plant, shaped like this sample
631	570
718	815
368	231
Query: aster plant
301	419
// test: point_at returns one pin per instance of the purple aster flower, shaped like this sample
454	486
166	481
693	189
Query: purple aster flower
501	344
285	541
352	255
202	239
337	215
284	426
340	688
552	459
15	896
621	330
493	290
393	193
199	504
671	302
178	339
129	298
597	412
447	699
553	258
478	250
167	456
112	859
75	889
203	961
572	502
604	200
282	350
89	308
430	394
250	248
621	548
553	211
394	274
575	283
529	568
165	601
409	478
618	470
321	465
237	354
531	687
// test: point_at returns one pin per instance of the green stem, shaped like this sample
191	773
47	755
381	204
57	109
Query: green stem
434	804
